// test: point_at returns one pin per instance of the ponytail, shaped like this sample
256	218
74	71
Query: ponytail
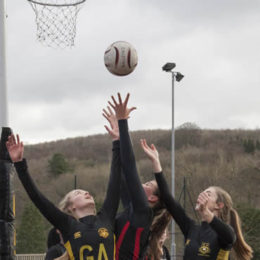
230	216
161	220
242	250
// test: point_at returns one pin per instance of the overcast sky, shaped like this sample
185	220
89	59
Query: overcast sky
55	94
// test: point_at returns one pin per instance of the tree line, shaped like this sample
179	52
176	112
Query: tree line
204	157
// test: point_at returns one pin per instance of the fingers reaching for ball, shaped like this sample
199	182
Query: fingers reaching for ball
120	107
111	118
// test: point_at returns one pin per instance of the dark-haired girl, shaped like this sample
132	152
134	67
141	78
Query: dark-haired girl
143	210
219	230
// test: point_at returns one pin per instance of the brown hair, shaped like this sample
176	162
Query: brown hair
230	216
160	222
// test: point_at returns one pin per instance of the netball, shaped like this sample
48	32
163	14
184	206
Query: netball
120	58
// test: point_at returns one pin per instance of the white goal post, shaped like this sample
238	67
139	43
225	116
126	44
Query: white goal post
3	95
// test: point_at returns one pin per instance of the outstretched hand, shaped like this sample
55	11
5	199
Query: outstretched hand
111	118
120	108
152	154
15	148
150	151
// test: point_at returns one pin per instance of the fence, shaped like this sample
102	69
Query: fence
30	257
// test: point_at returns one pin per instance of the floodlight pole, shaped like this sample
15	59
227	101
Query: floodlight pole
173	243
168	67
3	102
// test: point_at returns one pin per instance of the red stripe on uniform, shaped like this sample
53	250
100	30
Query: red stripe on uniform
137	243
121	238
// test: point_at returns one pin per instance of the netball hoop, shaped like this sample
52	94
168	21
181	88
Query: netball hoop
56	21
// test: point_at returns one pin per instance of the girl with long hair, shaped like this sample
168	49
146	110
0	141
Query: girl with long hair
86	235
143	210
165	255
220	229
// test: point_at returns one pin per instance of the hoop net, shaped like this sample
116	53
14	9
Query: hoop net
56	21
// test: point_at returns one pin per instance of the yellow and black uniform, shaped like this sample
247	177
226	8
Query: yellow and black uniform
211	241
91	237
133	224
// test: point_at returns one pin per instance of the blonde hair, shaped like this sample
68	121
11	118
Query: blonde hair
230	216
65	204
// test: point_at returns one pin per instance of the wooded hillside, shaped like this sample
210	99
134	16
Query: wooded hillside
226	158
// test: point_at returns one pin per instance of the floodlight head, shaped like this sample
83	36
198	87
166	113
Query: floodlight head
179	76
168	66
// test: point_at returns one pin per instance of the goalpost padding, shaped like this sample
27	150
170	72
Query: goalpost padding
3	94
6	200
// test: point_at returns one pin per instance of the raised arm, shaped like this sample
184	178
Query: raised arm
136	191
111	202
113	131
124	193
49	210
175	209
171	204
